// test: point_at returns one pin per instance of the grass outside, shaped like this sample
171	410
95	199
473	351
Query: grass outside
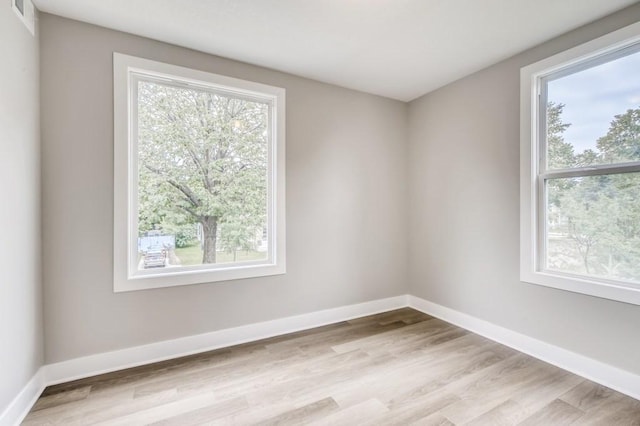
192	255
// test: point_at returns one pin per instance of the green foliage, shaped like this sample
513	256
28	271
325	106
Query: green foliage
559	153
184	232
202	159
622	141
237	234
600	215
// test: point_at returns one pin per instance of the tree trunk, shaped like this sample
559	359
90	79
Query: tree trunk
209	236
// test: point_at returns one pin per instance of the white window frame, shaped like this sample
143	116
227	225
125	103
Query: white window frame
533	171
27	15
127	277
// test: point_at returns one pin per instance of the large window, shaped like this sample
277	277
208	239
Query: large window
580	167
199	176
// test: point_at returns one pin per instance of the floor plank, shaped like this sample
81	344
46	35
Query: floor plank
395	368
557	413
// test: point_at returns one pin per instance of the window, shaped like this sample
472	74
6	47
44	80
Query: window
199	176
26	12
580	168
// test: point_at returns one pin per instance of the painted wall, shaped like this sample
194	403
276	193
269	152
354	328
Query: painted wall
21	337
346	171
464	213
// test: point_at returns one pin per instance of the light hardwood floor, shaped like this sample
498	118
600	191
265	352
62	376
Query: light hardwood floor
396	368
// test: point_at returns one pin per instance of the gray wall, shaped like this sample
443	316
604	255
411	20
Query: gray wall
464	213
346	170
21	339
347	165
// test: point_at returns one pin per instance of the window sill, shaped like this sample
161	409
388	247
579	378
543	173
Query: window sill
181	277
611	290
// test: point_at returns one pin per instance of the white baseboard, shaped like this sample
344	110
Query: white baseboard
78	368
596	371
132	357
22	403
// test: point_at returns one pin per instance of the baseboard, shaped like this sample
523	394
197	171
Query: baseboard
132	357
607	375
22	403
596	371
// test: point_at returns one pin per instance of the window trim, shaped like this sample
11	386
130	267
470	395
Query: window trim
532	173
125	69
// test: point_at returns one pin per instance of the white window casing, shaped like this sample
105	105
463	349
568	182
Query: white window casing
127	276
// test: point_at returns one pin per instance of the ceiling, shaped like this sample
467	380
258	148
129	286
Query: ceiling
400	49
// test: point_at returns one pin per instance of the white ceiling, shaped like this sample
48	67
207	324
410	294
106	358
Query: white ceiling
400	49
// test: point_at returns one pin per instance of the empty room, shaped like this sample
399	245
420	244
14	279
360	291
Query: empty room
330	212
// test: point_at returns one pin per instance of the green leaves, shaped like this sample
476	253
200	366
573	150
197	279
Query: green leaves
622	141
202	159
559	153
594	222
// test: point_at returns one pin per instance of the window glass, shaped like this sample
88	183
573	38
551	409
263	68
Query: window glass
591	218
593	115
202	176
580	168
593	226
199	176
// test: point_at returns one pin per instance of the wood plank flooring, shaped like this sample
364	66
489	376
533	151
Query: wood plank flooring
396	368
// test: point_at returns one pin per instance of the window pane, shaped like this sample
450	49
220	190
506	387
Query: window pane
593	226
20	6
593	116
202	177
